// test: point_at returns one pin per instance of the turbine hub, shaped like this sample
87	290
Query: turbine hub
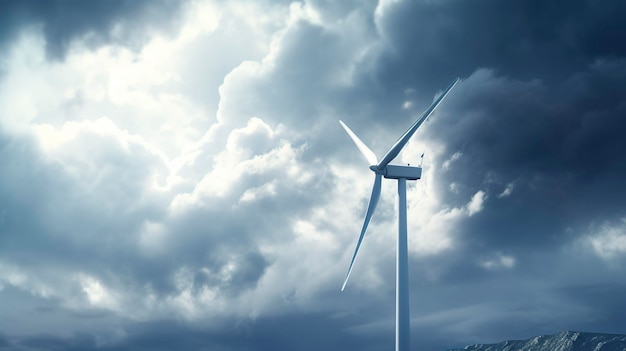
377	170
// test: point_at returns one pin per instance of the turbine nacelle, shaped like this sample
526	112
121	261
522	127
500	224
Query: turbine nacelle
397	172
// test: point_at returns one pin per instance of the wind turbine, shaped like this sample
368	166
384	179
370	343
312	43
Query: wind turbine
401	173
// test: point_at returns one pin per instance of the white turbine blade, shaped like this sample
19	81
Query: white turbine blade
365	151
370	211
397	147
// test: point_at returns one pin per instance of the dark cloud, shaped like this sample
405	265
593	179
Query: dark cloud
305	332
96	22
602	298
523	40
559	147
426	44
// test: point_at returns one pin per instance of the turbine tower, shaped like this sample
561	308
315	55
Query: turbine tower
402	174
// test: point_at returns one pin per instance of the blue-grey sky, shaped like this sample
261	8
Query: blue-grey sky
173	175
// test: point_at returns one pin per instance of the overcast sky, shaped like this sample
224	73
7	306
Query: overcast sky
173	175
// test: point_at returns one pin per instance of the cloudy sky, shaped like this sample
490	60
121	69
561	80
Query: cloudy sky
173	175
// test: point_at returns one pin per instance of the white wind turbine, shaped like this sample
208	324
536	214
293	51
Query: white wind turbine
401	173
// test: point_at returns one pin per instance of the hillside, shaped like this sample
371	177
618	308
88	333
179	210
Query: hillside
564	341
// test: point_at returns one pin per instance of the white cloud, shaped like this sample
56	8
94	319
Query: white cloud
476	204
454	187
97	294
448	163
265	190
254	150
507	191
499	260
608	241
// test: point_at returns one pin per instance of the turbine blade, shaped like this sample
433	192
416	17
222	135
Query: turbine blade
397	147
370	211
365	151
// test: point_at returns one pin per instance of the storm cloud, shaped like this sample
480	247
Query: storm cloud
95	23
174	177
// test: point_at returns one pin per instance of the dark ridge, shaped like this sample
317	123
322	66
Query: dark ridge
564	341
